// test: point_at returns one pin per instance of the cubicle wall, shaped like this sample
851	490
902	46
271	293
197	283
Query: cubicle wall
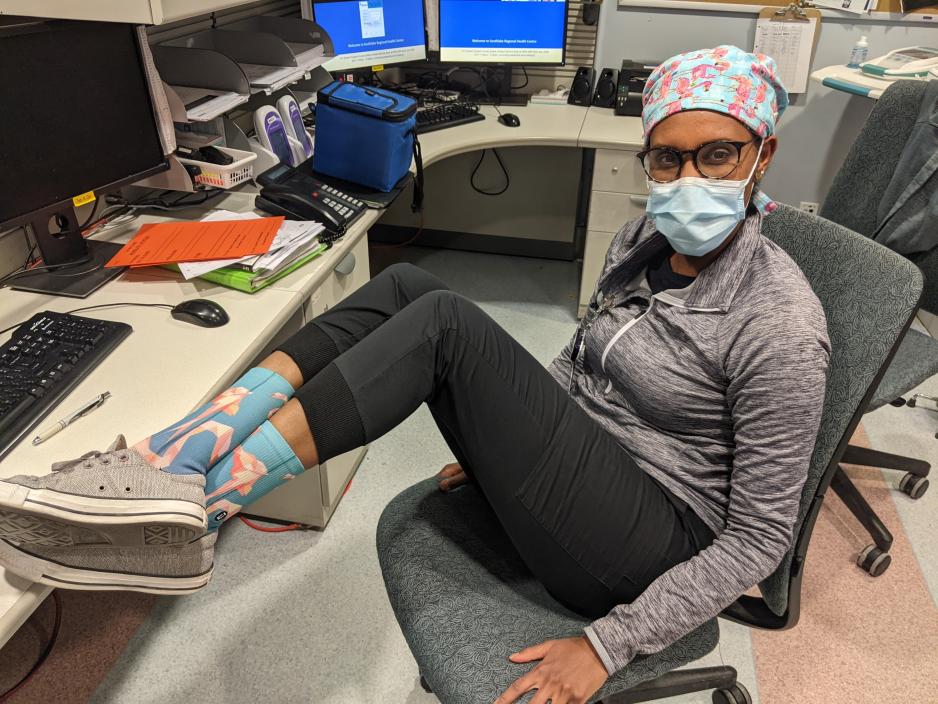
817	130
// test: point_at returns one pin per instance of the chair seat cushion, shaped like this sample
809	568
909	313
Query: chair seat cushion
916	360
465	601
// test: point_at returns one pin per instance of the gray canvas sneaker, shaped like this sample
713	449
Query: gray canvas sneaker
168	569
103	498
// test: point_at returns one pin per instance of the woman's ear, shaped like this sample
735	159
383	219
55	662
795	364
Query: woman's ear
769	145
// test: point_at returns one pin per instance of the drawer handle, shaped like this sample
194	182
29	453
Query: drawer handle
615	169
639	200
346	266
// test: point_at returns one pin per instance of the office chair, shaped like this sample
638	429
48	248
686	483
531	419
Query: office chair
464	599
852	202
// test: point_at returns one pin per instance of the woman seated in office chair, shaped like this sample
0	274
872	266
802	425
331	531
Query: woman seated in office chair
648	478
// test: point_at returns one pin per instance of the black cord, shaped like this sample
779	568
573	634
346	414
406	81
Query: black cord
23	272
102	305
45	653
115	305
504	171
525	84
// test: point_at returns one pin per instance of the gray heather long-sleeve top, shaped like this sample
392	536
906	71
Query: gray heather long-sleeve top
716	391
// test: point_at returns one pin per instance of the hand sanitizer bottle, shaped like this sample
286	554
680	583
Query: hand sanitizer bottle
860	51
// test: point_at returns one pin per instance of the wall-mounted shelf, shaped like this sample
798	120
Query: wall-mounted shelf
133	11
850	80
269	52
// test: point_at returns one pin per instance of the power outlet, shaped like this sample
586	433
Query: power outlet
809	207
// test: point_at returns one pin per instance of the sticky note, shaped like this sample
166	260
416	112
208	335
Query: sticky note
83	199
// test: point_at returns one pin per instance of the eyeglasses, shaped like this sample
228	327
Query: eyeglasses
713	160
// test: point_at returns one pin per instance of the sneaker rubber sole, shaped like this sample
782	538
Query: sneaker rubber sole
55	574
53	519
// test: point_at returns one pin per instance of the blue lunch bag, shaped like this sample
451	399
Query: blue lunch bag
366	135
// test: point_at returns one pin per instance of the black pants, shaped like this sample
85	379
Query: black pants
589	523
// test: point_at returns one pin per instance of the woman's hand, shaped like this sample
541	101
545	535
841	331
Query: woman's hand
451	476
570	673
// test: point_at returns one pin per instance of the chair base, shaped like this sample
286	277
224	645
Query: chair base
867	457
853	499
720	679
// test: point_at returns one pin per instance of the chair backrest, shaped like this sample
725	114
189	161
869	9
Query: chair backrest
854	196
869	295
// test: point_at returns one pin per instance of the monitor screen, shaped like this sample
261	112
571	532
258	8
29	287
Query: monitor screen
76	113
503	31
372	32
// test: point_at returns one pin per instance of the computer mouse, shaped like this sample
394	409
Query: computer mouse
509	119
200	311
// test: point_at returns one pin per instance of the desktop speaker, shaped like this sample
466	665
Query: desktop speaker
605	94
582	87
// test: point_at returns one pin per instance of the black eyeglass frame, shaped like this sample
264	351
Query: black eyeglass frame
682	155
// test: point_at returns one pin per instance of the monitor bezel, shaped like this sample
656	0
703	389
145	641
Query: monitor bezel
30	216
481	62
311	4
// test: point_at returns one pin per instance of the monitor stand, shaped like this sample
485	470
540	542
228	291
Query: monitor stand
79	263
78	280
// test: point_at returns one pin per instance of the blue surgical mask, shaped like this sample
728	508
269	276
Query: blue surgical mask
696	214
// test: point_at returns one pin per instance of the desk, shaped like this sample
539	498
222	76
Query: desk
167	367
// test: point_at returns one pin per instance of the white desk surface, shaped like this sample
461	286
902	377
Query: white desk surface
167	367
603	129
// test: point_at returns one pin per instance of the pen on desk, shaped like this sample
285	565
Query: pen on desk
68	420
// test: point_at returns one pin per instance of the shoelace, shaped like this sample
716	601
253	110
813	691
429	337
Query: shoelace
86	460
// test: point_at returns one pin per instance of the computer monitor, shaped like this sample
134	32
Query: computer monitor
503	31
372	32
76	116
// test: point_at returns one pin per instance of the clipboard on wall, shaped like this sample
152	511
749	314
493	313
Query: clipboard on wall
789	35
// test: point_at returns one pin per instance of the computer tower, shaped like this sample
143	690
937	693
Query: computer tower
581	90
605	94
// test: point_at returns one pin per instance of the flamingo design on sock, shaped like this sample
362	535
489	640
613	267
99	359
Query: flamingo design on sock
246	470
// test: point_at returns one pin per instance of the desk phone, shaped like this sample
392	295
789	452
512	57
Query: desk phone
300	196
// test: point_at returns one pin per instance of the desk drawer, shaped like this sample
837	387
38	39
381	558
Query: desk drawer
618	171
610	211
348	274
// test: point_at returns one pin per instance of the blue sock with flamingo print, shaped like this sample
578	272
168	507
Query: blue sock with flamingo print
195	443
262	463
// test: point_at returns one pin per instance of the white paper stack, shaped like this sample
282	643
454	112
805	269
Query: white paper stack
294	240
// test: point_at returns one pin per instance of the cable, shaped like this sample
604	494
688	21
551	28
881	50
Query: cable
404	243
265	529
504	171
23	272
102	305
115	305
524	70
5	696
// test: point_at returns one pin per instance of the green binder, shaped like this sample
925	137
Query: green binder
251	281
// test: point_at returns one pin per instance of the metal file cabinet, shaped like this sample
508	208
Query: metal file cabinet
618	194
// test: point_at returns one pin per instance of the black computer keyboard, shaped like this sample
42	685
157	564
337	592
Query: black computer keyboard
438	117
45	359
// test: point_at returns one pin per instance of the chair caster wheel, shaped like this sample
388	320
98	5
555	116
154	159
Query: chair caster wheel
426	687
736	695
900	402
911	402
913	486
873	561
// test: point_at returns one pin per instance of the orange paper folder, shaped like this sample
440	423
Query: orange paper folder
174	242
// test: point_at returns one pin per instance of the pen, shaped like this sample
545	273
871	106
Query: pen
68	420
